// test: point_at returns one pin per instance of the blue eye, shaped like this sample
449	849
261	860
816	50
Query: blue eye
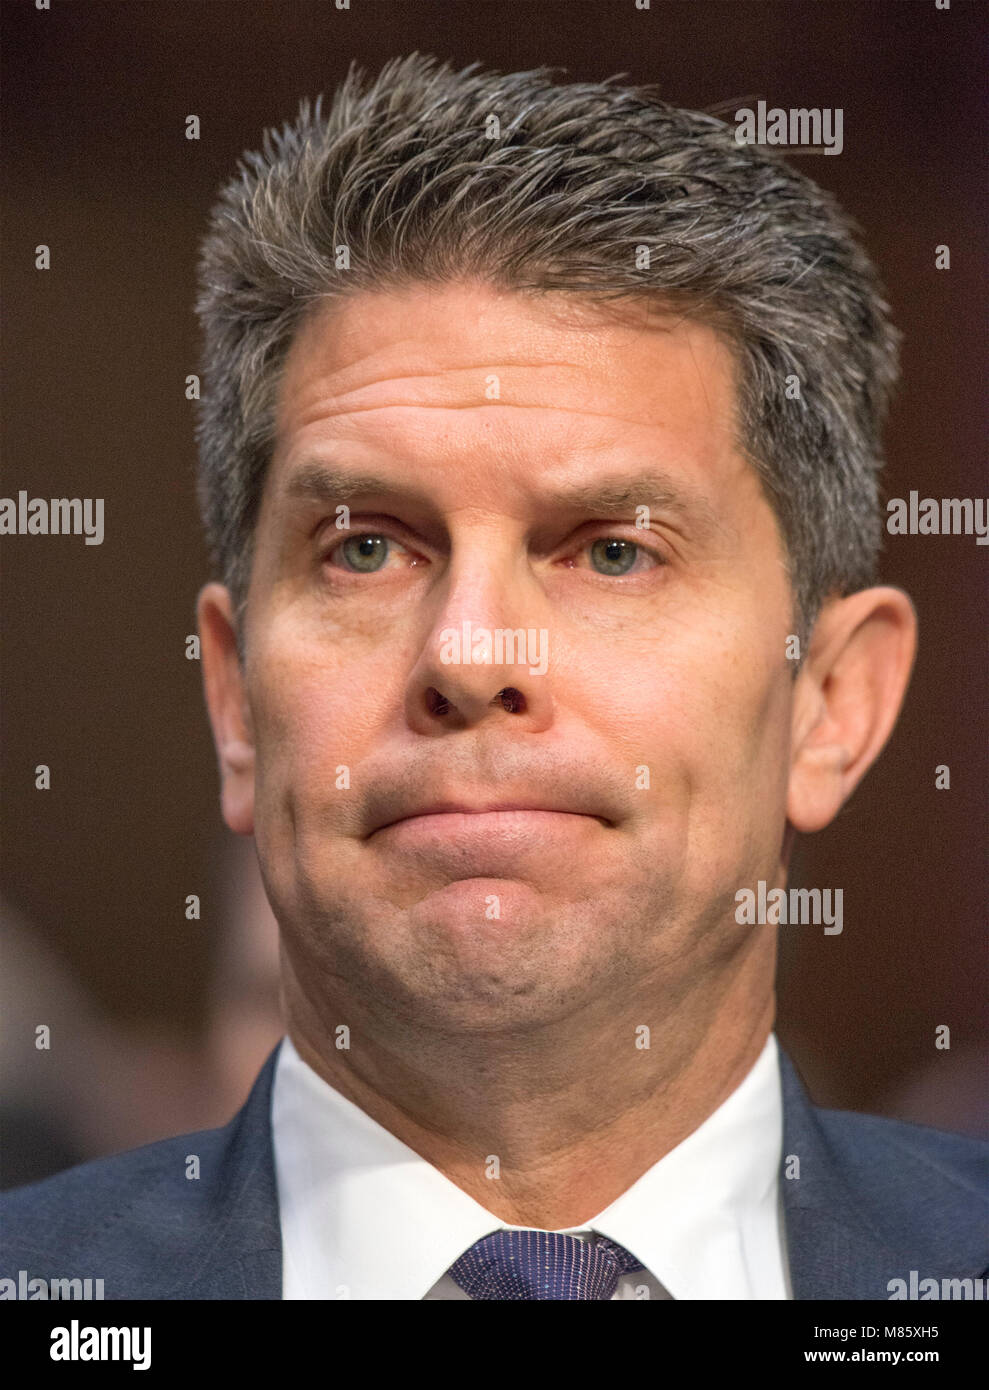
365	553
614	555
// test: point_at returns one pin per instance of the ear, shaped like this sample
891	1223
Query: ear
847	699
226	700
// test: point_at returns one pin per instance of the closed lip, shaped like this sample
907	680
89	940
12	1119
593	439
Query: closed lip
440	808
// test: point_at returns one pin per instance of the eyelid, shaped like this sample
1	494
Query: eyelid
392	530
614	531
603	530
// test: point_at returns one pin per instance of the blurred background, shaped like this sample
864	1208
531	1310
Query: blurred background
160	1023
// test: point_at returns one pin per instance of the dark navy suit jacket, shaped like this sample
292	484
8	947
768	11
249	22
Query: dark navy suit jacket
875	1199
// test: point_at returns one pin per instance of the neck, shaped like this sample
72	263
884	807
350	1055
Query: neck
545	1128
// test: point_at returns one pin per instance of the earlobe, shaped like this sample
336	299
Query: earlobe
847	699
226	701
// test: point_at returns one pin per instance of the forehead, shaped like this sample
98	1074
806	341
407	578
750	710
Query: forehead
517	388
370	347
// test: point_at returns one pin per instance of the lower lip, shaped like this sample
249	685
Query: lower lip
494	834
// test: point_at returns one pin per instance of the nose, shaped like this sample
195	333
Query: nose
486	657
509	697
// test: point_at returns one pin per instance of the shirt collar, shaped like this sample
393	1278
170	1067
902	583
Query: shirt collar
363	1216
705	1219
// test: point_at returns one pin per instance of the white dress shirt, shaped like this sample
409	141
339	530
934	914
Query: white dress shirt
363	1216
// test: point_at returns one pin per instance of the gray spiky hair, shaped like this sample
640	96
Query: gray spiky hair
430	175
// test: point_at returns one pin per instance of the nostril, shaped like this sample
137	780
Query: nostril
435	702
512	700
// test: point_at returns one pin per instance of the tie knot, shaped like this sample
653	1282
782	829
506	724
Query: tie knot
543	1265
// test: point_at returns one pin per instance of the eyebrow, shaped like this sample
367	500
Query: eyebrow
316	481
648	488
321	482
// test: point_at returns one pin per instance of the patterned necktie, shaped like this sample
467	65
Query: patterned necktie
541	1264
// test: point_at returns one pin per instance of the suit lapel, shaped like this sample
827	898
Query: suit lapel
239	1251
834	1251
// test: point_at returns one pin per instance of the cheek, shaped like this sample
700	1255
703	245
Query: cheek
711	724
738	810
298	731
317	714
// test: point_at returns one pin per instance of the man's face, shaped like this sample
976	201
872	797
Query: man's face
650	757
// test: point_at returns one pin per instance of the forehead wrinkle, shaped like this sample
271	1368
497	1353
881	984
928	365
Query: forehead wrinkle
326	414
301	376
522	364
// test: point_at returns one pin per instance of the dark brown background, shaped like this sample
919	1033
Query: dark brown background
95	353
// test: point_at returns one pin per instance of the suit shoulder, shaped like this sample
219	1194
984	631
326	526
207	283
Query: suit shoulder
69	1210
909	1167
958	1157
